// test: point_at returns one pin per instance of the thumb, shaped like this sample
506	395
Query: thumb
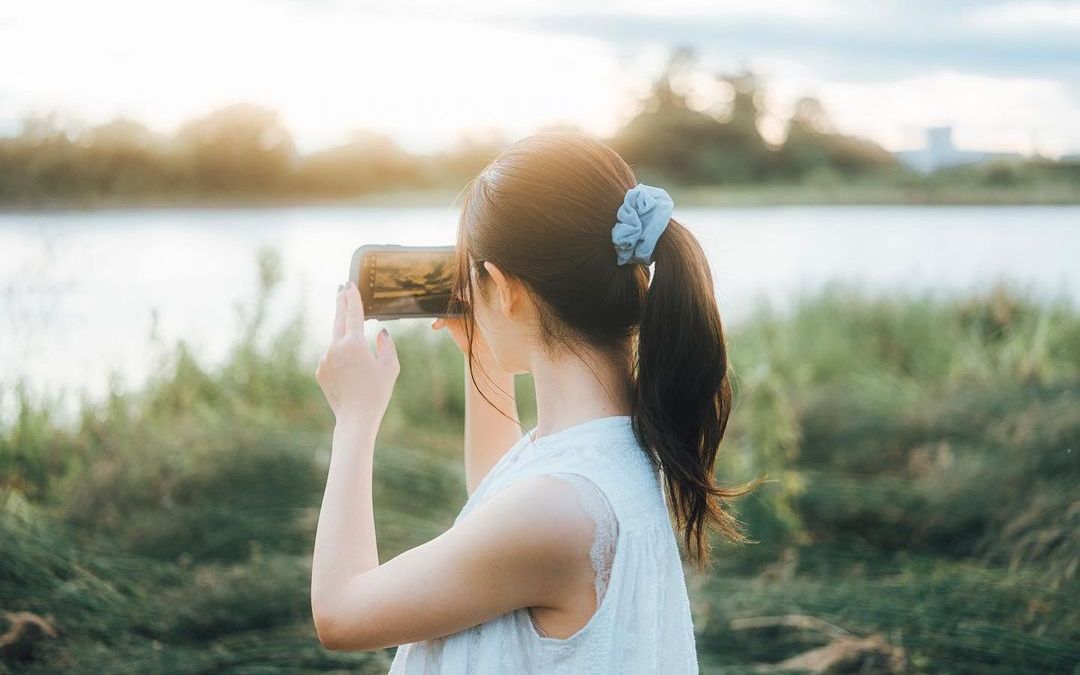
384	345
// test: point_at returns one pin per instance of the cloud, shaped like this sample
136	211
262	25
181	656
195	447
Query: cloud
989	113
1026	16
865	44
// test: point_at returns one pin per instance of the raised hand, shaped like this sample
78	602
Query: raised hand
356	381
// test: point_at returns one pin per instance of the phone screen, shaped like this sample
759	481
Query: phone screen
408	283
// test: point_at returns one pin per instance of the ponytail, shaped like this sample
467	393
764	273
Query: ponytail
683	396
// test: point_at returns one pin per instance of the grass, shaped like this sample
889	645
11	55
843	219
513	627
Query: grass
923	456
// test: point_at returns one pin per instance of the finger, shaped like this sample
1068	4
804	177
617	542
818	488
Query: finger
354	316
438	323
339	316
385	347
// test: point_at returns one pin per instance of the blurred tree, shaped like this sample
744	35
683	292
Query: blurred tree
470	154
668	137
39	161
368	162
241	147
741	152
124	157
812	145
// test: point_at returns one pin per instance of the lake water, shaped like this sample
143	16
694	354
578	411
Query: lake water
80	290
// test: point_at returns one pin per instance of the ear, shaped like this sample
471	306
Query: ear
506	290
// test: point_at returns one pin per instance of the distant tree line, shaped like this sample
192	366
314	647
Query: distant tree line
244	151
719	140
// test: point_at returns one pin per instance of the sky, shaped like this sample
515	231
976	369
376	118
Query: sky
1004	74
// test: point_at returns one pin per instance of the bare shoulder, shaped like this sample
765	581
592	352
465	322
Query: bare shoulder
542	517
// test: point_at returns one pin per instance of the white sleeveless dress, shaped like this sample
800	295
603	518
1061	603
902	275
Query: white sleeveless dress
643	622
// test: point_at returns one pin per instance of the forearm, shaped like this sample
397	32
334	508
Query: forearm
488	431
345	543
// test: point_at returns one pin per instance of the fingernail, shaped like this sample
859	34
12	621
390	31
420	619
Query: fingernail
384	332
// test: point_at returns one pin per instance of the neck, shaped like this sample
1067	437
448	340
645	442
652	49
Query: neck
571	390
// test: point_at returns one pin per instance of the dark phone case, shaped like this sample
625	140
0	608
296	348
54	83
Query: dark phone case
356	265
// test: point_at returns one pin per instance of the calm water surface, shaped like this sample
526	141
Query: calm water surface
82	292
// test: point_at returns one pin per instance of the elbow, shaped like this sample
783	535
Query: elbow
333	643
330	628
340	634
328	634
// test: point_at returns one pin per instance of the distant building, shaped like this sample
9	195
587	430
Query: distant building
940	153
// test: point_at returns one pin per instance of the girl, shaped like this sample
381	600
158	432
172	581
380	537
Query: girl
564	558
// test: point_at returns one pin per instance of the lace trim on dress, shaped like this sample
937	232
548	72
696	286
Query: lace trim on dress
605	536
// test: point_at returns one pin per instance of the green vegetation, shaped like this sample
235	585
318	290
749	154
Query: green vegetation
922	511
703	140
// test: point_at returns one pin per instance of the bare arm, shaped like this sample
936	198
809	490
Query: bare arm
524	547
345	542
357	385
489	431
518	549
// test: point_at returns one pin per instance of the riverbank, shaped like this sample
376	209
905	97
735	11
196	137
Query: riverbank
771	194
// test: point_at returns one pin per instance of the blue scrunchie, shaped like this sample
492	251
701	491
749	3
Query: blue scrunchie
642	218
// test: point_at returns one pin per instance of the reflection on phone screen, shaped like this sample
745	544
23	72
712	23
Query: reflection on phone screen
417	283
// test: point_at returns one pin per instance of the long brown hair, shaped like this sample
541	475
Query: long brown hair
542	212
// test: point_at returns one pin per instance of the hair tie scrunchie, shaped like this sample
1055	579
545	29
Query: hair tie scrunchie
642	218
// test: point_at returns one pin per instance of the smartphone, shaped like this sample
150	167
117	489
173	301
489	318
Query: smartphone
399	282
